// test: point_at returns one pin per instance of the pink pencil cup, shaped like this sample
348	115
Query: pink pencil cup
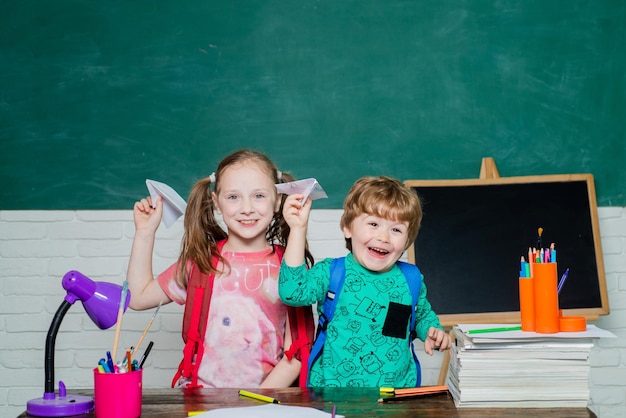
117	394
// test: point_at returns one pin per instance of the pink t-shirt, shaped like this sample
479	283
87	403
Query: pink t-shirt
246	322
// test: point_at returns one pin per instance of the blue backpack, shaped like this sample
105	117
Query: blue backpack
337	277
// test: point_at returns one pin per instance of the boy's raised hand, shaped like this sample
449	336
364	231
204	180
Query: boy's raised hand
437	339
146	217
297	216
295	213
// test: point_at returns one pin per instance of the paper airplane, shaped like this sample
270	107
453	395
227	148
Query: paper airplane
173	205
308	187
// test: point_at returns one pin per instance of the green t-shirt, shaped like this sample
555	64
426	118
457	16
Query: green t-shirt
367	343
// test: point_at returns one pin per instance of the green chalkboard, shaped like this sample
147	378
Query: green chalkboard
95	97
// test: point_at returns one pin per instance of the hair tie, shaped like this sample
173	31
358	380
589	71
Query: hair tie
212	177
279	174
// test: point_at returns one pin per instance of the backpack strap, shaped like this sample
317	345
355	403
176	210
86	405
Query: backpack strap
413	278
302	329
198	301
302	326
337	278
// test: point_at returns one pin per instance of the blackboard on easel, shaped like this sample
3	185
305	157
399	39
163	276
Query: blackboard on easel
474	232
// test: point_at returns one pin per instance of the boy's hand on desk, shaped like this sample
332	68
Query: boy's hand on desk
437	339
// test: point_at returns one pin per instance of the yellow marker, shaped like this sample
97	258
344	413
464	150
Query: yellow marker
194	413
257	396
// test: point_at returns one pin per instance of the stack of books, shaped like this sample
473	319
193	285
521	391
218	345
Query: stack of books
520	369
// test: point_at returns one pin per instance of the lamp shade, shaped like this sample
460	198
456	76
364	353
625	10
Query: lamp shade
100	299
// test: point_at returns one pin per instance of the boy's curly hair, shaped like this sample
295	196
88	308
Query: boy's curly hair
384	197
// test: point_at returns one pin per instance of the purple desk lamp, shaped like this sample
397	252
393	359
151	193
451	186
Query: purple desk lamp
101	301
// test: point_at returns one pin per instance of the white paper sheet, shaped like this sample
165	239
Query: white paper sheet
267	411
173	205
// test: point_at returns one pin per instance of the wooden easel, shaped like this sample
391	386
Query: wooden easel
488	170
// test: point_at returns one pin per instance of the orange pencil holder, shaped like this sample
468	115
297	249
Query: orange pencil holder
546	298
527	303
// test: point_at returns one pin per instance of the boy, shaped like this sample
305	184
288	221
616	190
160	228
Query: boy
368	340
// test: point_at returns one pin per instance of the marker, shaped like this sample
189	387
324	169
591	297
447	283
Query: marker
501	329
562	282
258	397
412	393
194	413
145	355
109	363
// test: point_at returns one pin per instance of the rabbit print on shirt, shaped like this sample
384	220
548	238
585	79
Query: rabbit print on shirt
239	337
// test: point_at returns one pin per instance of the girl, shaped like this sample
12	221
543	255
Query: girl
247	326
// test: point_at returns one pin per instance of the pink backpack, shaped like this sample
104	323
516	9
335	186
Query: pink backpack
199	290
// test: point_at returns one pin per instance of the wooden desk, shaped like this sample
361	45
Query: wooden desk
351	402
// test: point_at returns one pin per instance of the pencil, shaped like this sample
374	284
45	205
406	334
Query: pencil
145	331
129	363
412	396
414	391
258	397
485	330
562	281
422	389
120	314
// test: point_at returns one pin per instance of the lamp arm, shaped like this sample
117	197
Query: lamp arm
50	341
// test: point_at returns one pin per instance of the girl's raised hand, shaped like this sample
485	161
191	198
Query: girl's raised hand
295	213
146	217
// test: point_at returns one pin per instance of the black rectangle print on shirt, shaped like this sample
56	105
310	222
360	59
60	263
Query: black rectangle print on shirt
397	319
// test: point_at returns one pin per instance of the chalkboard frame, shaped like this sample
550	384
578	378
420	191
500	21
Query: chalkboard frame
511	315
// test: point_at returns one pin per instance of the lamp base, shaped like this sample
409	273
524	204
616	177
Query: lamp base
51	405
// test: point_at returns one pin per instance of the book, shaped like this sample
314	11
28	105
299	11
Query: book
520	369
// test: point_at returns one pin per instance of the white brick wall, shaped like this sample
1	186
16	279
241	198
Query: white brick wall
38	247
